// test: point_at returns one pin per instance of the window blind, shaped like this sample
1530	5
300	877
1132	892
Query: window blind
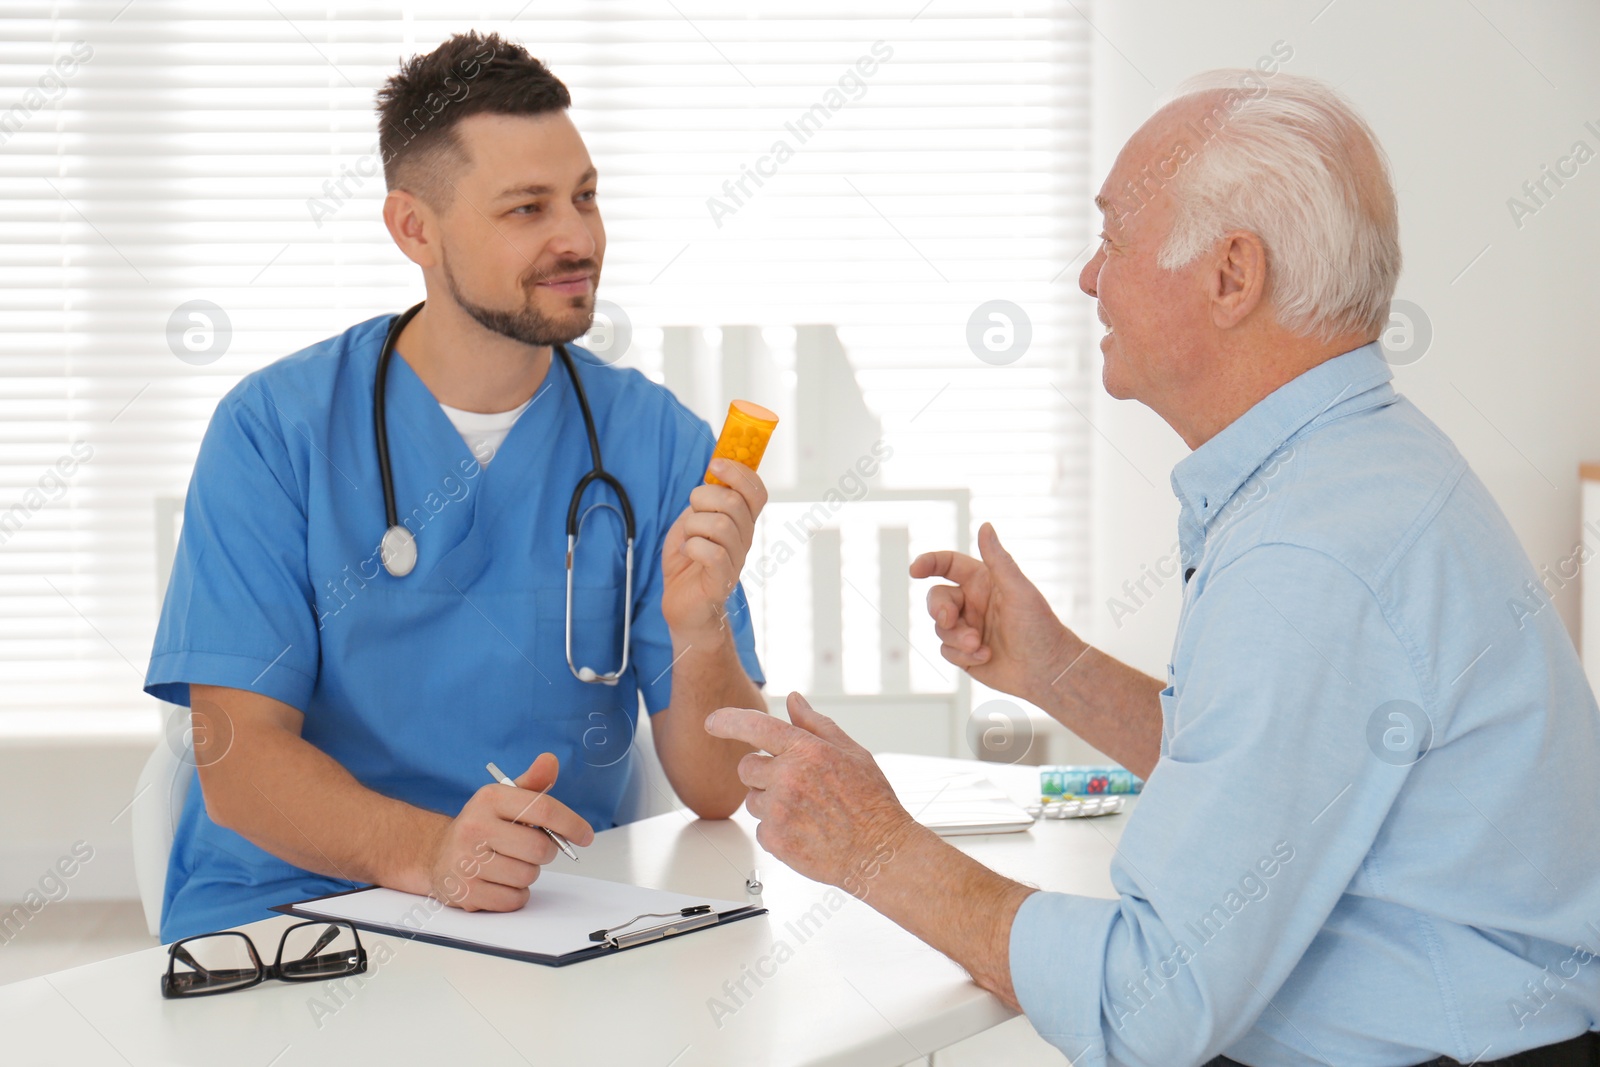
190	190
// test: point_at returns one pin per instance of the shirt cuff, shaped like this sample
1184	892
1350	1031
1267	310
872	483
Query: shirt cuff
172	672
1058	953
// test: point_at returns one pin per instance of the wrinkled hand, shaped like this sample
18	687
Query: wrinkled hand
491	852
825	808
994	622
705	550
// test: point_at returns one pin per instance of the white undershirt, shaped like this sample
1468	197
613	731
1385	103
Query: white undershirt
484	433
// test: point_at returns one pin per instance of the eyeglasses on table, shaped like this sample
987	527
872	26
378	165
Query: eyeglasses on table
223	962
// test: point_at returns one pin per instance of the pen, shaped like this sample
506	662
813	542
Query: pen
561	842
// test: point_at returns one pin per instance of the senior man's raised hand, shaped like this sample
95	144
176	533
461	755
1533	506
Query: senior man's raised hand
996	625
994	622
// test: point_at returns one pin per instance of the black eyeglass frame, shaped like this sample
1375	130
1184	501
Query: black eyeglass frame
171	990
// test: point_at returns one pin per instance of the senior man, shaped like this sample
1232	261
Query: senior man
1369	834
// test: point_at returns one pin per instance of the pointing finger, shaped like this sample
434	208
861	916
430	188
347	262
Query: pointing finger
755	728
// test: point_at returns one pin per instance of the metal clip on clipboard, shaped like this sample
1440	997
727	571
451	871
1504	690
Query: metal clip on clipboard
679	922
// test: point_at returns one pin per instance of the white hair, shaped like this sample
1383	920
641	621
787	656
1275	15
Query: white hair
1288	159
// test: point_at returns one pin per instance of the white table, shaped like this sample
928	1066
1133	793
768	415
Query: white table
857	990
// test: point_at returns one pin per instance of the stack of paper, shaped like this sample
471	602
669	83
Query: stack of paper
953	802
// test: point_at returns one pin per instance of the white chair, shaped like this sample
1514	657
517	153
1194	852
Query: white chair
158	803
648	792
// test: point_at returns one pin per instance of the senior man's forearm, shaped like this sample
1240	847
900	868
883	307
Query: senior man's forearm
952	902
1109	704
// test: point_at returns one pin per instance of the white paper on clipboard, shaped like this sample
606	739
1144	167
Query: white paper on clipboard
561	912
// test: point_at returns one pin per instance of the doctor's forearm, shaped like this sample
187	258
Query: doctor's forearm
311	812
707	674
285	795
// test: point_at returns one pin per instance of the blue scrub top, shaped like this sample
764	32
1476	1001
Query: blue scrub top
413	684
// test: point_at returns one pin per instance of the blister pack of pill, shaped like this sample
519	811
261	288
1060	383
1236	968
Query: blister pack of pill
1077	807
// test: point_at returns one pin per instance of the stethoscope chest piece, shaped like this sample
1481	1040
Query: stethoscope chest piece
398	550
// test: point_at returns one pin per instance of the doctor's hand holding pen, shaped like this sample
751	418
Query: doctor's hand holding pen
488	855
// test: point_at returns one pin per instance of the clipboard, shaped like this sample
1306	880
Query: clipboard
557	927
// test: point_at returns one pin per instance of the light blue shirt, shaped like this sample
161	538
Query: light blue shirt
1373	835
413	684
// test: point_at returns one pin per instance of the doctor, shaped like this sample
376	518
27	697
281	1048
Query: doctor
355	643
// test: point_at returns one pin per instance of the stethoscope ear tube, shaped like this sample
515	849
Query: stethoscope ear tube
398	549
597	471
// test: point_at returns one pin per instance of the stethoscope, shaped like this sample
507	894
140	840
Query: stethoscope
398	548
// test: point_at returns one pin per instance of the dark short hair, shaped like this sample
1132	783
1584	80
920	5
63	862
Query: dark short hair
469	74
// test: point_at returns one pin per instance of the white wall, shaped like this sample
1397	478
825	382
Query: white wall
1469	106
55	794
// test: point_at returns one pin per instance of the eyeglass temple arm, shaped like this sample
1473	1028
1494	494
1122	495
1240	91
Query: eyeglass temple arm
183	954
322	942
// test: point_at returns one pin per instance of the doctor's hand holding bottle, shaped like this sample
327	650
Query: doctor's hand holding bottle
488	855
705	550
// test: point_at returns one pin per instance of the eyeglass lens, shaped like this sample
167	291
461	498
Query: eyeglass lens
213	963
318	951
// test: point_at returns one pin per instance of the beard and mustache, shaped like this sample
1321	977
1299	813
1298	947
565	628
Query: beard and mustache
528	324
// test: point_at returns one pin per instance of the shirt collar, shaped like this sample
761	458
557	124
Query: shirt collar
1206	479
